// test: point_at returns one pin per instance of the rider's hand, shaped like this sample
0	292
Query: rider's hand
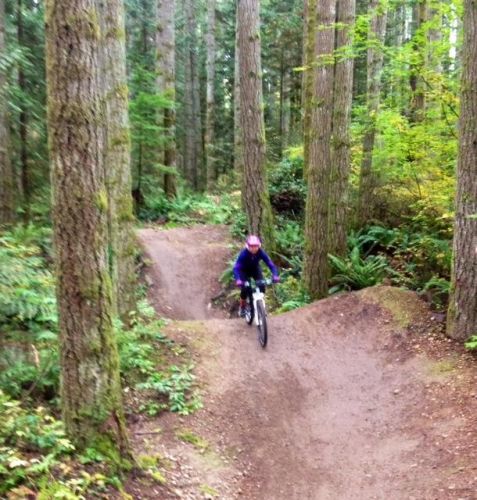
276	279
239	283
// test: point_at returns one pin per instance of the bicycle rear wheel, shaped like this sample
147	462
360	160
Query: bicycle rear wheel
262	324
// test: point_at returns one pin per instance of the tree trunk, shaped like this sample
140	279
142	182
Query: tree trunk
255	188
238	135
90	384
367	181
210	117
193	153
7	178
315	269
307	91
462	313
165	43
417	104
340	143
23	123
117	155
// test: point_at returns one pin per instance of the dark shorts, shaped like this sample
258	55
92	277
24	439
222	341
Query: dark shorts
256	274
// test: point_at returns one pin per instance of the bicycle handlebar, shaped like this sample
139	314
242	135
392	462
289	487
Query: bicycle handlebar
266	282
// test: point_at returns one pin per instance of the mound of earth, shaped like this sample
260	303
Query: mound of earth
358	396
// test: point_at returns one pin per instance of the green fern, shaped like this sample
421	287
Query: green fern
354	272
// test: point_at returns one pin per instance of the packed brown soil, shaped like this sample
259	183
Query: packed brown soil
359	396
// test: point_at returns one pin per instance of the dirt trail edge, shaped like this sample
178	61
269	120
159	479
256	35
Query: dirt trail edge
356	397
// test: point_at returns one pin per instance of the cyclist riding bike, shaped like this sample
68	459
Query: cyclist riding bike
247	266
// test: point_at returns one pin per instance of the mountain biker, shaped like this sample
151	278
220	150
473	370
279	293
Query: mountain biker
247	266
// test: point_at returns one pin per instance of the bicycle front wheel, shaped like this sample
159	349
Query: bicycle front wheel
262	324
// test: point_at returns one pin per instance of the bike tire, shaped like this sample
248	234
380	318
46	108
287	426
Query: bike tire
262	324
250	312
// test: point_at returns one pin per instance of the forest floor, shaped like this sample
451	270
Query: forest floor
359	396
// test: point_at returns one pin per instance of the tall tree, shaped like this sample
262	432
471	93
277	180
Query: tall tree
309	27
462	313
193	150
117	154
367	180
340	143
315	269
166	61
7	180
238	135
23	121
210	96
90	384
255	188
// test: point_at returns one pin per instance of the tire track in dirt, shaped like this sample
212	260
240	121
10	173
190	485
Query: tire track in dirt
341	404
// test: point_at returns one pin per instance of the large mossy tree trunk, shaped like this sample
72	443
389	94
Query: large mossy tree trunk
340	142
166	61
309	27
210	97
255	187
315	268
193	150
117	155
7	178
90	384
367	179
462	313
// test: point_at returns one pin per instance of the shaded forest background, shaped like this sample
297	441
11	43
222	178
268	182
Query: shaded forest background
335	138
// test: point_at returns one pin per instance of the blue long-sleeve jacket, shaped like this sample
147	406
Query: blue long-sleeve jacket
247	264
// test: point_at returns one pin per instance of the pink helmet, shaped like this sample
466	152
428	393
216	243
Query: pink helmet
253	241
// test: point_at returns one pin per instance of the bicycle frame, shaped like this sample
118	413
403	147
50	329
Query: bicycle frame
257	295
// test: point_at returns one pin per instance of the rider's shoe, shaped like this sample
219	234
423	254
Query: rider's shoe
242	312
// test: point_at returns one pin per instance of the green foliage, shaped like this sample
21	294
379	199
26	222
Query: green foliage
189	208
31	443
355	272
28	355
286	185
144	353
177	384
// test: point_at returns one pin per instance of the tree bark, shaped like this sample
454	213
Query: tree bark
307	91
165	43
238	135
367	181
90	384
417	104
193	153
315	269
7	178
210	96
340	143
117	155
462	313
255	188
23	124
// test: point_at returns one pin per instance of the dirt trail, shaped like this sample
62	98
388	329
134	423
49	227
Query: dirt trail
352	399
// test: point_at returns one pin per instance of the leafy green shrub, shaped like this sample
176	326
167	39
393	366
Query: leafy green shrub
286	185
290	294
28	355
31	443
354	272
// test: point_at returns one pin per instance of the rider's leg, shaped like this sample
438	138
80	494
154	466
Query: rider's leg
258	275
243	301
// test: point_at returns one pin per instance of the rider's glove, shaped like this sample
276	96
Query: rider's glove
239	283
276	279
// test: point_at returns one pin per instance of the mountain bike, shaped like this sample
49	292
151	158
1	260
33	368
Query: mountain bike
255	308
